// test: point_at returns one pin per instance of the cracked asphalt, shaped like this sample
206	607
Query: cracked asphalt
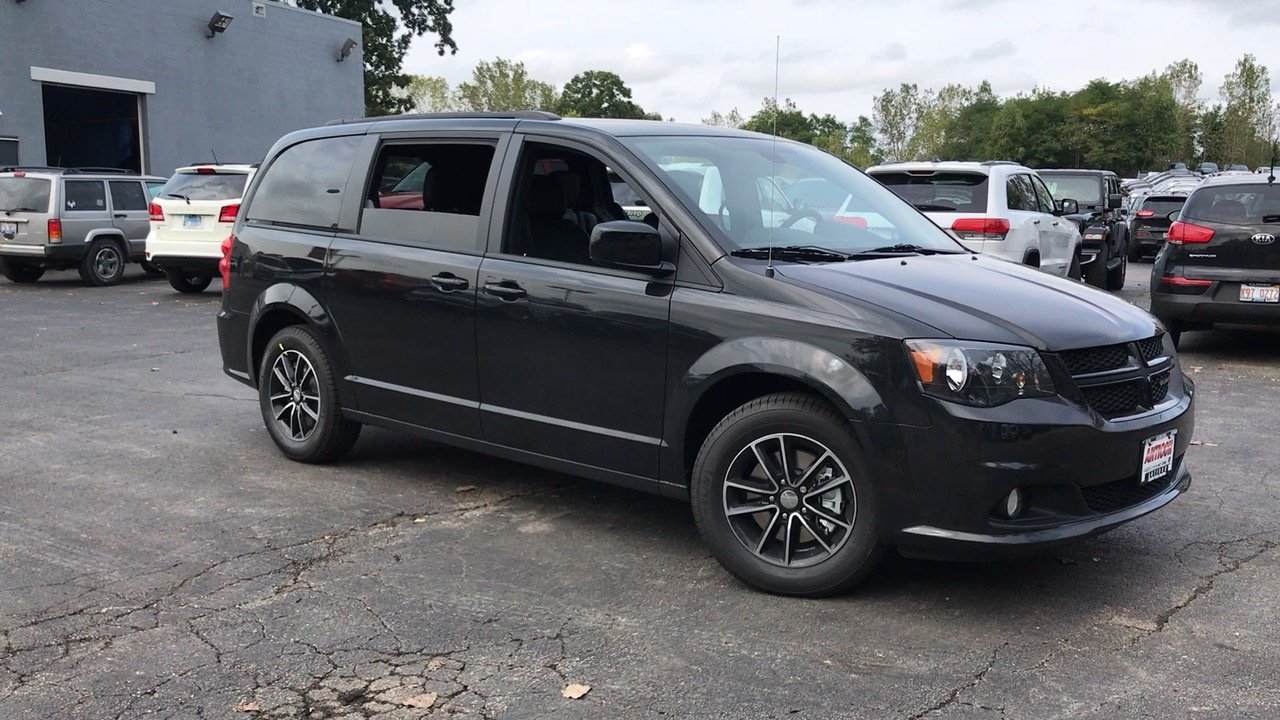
159	559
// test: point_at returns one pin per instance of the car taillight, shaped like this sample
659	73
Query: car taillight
224	265
157	213
228	214
1181	233
981	228
206	171
1146	213
55	230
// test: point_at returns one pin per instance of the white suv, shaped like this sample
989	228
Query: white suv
190	217
1000	208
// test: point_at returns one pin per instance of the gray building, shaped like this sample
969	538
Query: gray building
151	85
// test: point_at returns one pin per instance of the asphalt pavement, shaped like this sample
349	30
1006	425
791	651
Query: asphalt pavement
160	559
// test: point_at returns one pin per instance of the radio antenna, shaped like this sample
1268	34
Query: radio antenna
773	153
215	156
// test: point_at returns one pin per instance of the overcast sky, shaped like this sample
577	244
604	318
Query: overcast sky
685	58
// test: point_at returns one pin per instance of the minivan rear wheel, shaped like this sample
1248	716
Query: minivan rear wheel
20	272
103	264
188	282
298	396
781	496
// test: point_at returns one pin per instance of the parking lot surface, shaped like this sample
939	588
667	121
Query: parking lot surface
159	558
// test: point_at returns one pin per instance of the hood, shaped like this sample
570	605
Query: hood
978	297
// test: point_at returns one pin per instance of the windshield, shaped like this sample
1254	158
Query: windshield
736	186
205	186
939	191
1082	189
20	192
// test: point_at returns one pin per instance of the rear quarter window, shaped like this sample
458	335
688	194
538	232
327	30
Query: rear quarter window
939	192
304	185
1235	204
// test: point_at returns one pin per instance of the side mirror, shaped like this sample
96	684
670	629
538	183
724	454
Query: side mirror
1068	207
629	245
1114	201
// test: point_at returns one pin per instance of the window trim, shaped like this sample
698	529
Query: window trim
146	200
101	183
1037	184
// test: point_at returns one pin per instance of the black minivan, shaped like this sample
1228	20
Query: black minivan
820	388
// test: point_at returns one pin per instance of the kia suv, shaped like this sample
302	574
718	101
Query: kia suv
93	220
820	390
1221	261
190	217
998	208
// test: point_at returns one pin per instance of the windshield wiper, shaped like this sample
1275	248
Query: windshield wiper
181	197
11	211
907	249
926	207
793	252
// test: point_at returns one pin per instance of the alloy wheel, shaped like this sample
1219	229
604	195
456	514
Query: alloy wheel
789	500
106	262
295	395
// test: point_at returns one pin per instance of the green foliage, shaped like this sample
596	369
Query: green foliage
599	94
503	85
854	144
429	94
389	27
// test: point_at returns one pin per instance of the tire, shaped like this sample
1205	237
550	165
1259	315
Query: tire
729	474
1096	273
103	263
151	269
188	282
1116	277
315	430
21	272
1073	272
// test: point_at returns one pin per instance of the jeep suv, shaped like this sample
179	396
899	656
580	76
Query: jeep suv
999	208
1105	251
190	217
58	219
819	388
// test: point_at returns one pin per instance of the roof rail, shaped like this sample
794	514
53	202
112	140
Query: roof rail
103	171
512	115
32	168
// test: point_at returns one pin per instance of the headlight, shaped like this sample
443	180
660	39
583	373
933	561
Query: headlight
978	374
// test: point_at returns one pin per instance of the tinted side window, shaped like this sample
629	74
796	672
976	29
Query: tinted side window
305	183
1020	194
427	194
84	196
1043	197
127	196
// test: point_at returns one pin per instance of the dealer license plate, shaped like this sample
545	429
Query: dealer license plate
1260	293
1157	457
8	228
192	222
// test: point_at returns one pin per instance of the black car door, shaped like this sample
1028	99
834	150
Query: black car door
402	289
572	356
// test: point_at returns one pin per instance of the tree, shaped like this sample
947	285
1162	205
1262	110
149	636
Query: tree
389	27
599	94
733	119
896	114
503	85
788	120
1185	80
429	94
1249	117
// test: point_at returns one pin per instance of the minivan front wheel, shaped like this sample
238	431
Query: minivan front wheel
103	264
299	399
781	497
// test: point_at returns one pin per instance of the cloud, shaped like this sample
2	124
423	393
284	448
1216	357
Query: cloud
890	53
994	51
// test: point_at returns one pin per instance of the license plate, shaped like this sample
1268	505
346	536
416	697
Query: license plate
192	222
1260	293
1157	457
8	228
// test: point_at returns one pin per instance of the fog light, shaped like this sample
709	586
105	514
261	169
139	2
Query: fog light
1013	503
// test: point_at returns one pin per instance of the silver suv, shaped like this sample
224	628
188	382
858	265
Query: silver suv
57	219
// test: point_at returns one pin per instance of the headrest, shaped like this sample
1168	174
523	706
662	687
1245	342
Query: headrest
546	198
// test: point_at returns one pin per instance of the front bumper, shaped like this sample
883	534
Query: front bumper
1077	471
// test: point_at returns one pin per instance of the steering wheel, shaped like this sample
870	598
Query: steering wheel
799	215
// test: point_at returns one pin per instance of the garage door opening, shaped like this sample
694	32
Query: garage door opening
91	128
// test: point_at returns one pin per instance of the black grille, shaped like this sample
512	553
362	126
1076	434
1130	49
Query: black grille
1095	360
1117	399
1121	494
1151	348
1159	387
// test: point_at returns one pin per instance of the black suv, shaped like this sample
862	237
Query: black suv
819	389
1104	247
1221	263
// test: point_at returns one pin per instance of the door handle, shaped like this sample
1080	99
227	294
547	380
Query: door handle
1035	222
120	215
506	290
448	282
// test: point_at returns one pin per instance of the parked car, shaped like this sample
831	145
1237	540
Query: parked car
1222	261
1104	254
1207	168
94	220
818	394
999	208
1150	223
190	217
1267	169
